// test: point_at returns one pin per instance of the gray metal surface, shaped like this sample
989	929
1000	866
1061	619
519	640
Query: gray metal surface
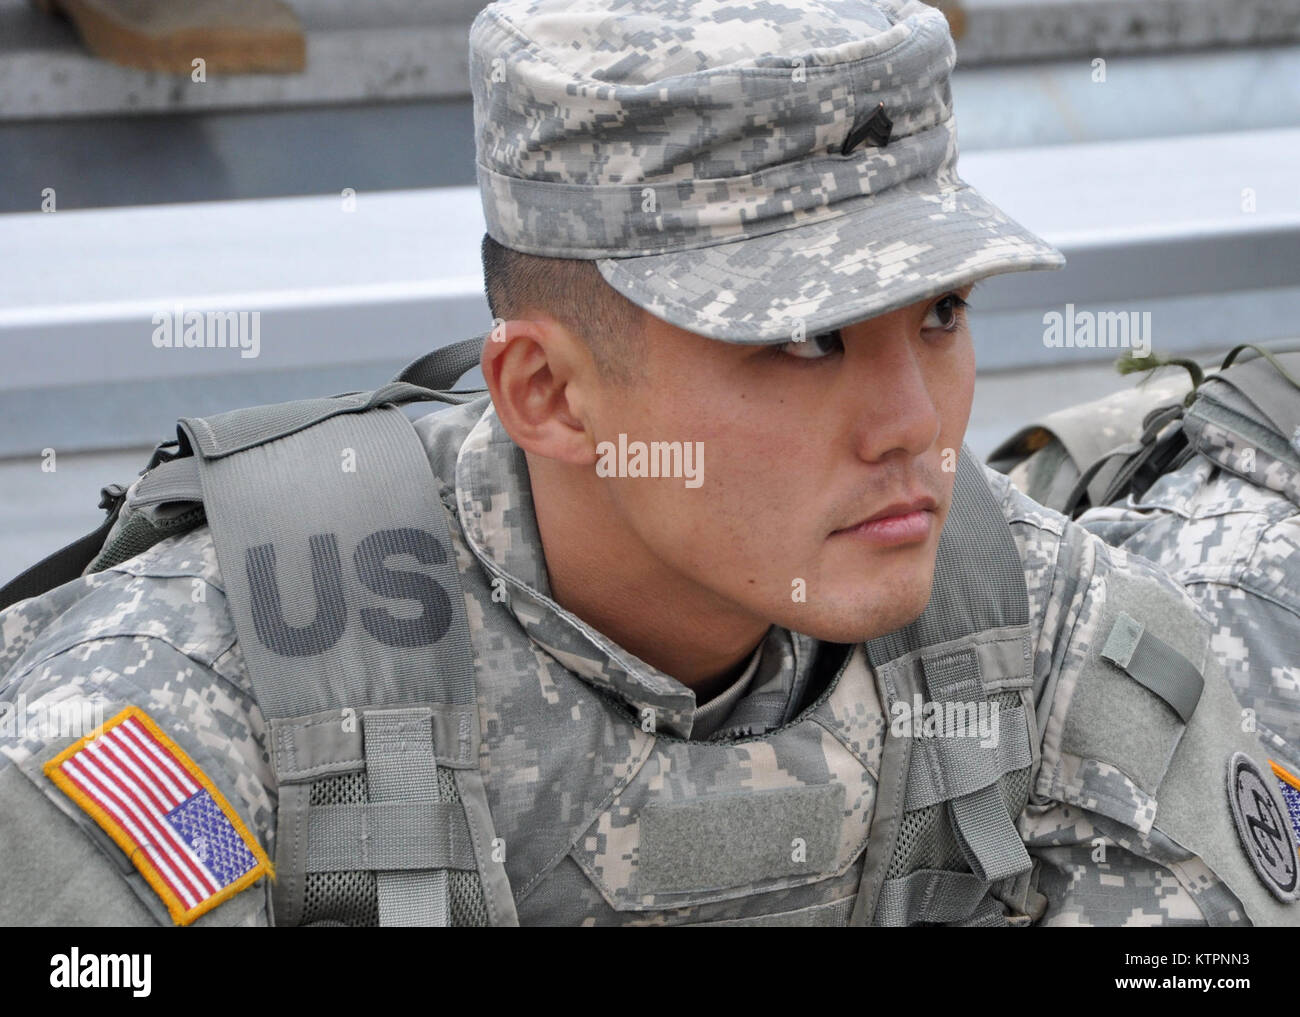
126	160
1003	30
386	50
379	50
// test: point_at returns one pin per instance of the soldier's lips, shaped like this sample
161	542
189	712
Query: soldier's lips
901	523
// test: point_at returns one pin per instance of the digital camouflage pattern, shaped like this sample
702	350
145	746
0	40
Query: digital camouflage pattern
568	760
700	152
1226	524
696	151
1234	544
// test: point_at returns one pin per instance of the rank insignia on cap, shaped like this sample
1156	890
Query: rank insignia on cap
163	811
1264	827
877	129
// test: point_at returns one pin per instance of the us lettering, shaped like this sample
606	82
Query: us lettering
371	561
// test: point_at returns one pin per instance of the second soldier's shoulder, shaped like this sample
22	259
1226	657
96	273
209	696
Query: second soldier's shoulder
1076	581
1019	508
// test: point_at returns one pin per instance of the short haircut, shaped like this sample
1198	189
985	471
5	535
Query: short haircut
574	293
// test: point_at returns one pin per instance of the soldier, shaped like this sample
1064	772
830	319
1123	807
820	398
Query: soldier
705	615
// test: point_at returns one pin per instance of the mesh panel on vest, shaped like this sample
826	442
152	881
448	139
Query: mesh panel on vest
351	898
348	898
138	534
926	839
1015	791
464	889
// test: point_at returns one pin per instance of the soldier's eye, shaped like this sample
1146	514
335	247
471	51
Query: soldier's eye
815	347
946	313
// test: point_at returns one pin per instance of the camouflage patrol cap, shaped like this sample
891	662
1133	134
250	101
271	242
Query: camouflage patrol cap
740	170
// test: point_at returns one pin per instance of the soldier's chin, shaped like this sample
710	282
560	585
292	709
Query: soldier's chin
885	611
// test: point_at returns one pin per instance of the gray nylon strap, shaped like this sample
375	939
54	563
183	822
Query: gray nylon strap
947	768
984	829
988	837
979	585
308	748
989	915
1154	664
930	895
388	837
344	598
236	430
287	890
401	771
895	763
174	480
341	579
443	367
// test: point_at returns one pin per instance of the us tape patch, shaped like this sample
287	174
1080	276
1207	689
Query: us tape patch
1264	827
163	811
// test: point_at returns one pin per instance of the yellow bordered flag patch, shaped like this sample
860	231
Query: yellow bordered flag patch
163	811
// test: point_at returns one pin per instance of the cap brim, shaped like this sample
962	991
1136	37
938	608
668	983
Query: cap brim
918	239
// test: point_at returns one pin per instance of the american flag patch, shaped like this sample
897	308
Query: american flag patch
1290	794
163	811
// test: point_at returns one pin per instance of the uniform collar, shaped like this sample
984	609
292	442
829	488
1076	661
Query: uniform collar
495	505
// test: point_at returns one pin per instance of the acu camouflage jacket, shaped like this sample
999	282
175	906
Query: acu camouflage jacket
587	803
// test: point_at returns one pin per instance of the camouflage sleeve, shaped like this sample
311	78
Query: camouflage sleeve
1235	548
149	639
1130	819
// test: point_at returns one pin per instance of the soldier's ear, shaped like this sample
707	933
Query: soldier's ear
539	374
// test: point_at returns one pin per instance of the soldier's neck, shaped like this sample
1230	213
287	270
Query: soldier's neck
605	575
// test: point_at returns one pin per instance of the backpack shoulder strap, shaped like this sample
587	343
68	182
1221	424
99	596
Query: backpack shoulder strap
971	646
341	579
342	582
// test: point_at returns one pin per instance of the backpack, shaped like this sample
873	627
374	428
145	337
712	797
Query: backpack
1244	417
